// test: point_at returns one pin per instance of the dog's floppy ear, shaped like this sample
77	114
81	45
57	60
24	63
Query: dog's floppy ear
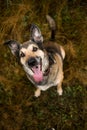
36	35
14	46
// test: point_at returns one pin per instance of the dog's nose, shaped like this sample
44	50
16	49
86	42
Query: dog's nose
32	62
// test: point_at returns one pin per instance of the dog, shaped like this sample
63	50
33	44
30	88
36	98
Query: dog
41	60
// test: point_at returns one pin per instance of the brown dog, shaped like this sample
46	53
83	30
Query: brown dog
42	62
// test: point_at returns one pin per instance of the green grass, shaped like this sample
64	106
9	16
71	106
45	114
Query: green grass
20	109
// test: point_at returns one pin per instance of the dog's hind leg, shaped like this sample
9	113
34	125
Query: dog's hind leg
59	88
37	92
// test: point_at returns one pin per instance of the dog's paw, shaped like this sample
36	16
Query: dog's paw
60	92
37	93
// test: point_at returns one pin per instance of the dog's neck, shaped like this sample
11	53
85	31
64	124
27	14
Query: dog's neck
51	59
51	62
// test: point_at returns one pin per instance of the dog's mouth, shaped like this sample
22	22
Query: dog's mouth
38	75
35	65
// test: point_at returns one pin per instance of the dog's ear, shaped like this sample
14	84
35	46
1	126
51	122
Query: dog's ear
36	35
14	46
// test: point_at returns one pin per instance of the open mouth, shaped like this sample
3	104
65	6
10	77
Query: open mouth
36	67
38	75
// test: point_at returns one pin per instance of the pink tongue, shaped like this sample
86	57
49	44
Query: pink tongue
38	76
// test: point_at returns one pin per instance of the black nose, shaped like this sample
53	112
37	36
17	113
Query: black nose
32	62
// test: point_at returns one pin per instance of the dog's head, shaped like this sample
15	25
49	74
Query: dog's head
31	54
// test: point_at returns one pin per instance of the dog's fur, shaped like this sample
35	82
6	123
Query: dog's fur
43	64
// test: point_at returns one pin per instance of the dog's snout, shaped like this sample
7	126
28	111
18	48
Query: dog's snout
32	62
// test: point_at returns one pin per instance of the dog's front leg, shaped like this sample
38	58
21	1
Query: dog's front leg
59	88
37	92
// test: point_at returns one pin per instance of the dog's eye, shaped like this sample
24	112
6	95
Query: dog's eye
22	54
35	49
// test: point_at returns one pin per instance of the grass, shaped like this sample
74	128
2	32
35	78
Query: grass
19	109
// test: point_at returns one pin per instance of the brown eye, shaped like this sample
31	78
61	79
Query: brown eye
35	49
22	54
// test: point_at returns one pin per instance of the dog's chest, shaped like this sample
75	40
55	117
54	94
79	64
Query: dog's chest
48	85
50	81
